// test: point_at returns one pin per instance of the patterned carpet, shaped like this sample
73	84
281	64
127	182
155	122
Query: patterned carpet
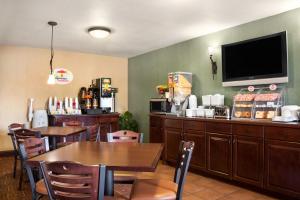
9	185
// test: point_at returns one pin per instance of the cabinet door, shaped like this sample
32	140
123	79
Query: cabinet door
282	167
172	141
198	160
219	154
247	160
156	135
156	131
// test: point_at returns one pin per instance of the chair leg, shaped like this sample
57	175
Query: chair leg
21	176
15	166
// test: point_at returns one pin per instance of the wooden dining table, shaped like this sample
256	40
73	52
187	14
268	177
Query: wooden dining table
138	157
54	132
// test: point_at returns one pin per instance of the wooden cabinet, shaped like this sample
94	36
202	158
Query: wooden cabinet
259	153
248	160
198	160
248	154
282	167
194	131
219	154
108	122
172	136
156	129
172	141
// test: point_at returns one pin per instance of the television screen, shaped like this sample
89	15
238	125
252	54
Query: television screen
257	61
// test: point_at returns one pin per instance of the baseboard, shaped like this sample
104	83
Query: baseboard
6	153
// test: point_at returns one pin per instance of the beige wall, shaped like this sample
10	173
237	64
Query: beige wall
24	72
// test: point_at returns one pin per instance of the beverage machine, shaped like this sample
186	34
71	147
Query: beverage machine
99	97
180	88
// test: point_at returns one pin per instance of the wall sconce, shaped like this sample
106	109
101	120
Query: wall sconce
214	66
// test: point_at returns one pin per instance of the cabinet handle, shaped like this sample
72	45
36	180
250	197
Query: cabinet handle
229	141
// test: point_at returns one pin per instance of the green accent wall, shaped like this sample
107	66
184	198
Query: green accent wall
150	69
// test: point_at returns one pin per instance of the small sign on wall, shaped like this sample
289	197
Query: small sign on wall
63	76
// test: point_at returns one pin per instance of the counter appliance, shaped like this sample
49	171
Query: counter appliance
160	105
180	88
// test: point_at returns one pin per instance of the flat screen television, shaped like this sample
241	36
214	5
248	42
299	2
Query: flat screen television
256	61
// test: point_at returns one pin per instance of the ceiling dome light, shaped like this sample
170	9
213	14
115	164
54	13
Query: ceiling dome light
99	32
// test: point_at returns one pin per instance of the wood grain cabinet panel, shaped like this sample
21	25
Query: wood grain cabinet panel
282	167
248	160
173	123
219	154
248	130
172	141
156	129
198	160
193	125
218	127
282	133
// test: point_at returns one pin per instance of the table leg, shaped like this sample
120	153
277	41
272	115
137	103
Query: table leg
54	142
109	183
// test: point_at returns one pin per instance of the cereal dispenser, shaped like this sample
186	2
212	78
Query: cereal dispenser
180	88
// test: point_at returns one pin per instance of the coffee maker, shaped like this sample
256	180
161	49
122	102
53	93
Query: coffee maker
105	94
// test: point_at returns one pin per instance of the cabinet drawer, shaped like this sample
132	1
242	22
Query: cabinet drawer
217	127
193	125
282	133
155	121
173	123
247	130
104	120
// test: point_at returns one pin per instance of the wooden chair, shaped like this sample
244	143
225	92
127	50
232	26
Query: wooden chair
156	189
125	136
71	123
70	180
29	148
11	129
93	133
20	135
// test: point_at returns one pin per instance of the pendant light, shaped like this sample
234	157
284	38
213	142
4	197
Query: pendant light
51	78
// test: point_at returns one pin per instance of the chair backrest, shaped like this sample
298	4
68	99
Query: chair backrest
183	162
29	148
73	123
21	134
125	136
15	126
11	128
93	133
34	147
69	180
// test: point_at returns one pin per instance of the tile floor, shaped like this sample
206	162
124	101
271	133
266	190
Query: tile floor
203	188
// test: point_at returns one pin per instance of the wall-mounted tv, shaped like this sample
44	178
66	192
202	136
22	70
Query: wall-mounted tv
256	61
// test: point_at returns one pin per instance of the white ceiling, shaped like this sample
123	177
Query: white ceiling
138	26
